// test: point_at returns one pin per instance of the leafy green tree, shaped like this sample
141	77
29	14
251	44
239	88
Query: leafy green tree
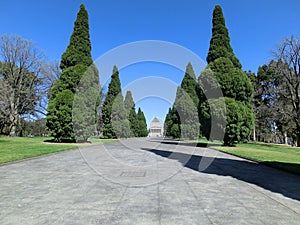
21	81
142	125
114	89
35	127
273	112
74	63
286	65
224	72
131	114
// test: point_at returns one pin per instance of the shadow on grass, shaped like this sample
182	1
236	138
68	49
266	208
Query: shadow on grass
183	143
268	178
67	141
289	167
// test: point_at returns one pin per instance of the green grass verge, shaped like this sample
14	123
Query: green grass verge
12	149
278	156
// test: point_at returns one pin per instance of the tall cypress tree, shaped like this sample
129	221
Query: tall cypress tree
142	125
114	89
172	124
189	84
74	63
85	105
79	48
234	83
182	120
128	102
119	121
188	114
168	123
220	41
131	114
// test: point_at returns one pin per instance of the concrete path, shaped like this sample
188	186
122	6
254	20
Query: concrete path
146	181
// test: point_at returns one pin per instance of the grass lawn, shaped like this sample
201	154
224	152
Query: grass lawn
278	156
12	149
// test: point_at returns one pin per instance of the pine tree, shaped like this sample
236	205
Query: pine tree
114	89
175	128
220	41
167	124
74	63
182	121
172	124
131	114
142	125
189	84
237	89
128	102
79	48
120	123
188	113
85	105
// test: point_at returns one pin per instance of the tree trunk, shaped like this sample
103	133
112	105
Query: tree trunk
13	123
254	134
298	135
12	132
285	138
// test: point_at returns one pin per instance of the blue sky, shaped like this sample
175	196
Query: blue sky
255	28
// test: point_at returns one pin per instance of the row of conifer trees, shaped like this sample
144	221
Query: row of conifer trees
75	107
218	105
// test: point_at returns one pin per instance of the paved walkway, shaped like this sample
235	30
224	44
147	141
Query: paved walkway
146	181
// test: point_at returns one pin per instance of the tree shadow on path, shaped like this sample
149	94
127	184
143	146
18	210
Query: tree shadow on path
266	177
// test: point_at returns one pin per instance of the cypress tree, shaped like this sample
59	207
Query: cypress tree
114	89
131	114
79	48
119	121
184	116
142	125
74	63
182	120
220	41
189	84
234	83
167	124
85	105
128	102
172	124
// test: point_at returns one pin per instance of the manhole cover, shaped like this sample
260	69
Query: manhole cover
133	174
